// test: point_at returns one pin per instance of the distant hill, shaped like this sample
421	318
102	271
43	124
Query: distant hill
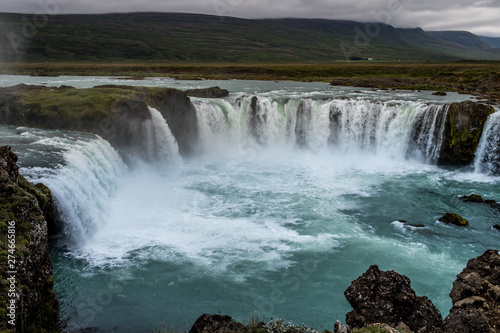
463	38
492	41
175	37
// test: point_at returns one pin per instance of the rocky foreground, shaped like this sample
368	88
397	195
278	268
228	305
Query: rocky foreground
384	302
27	299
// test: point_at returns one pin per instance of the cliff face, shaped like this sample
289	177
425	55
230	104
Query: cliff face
27	298
463	130
116	113
176	107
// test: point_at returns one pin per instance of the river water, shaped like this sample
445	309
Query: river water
284	205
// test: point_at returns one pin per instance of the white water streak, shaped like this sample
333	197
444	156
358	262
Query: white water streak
487	159
162	145
392	129
83	187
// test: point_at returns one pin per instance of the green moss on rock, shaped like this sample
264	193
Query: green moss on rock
463	131
115	112
37	309
455	219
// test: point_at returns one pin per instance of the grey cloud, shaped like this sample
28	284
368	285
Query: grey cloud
477	16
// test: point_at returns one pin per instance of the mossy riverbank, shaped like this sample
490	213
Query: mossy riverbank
480	78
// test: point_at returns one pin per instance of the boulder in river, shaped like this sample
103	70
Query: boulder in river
455	219
476	296
387	297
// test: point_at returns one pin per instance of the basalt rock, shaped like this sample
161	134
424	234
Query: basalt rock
212	92
215	324
455	219
25	261
118	113
476	296
256	118
180	114
477	198
387	297
472	198
463	130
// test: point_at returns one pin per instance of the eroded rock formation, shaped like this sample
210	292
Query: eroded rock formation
27	298
212	92
476	296
387	297
116	113
463	130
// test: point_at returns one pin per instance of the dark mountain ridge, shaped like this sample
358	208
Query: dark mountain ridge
179	37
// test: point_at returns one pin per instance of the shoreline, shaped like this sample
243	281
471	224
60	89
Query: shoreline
478	78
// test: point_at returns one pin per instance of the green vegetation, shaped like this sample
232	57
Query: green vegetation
20	212
174	37
473	77
469	71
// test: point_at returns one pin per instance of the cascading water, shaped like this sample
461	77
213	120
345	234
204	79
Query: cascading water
161	144
395	129
84	185
488	152
280	232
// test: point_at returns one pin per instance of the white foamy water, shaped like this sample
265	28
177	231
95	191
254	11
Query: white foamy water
294	196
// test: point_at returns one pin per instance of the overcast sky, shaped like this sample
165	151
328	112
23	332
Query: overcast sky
481	17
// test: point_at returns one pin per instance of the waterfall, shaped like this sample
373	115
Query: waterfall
396	129
405	129
161	143
83	185
488	152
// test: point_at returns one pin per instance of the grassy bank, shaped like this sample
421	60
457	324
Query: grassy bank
479	78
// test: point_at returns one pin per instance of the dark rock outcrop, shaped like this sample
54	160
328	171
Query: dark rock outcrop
463	130
256	119
476	296
387	297
119	114
180	114
212	92
476	198
497	227
335	125
472	198
455	219
215	324
26	265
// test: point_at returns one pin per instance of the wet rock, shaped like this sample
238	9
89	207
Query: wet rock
212	92
387	297
476	198
340	328
462	133
440	93
476	296
36	307
455	219
118	113
472	198
497	227
256	118
466	321
215	324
